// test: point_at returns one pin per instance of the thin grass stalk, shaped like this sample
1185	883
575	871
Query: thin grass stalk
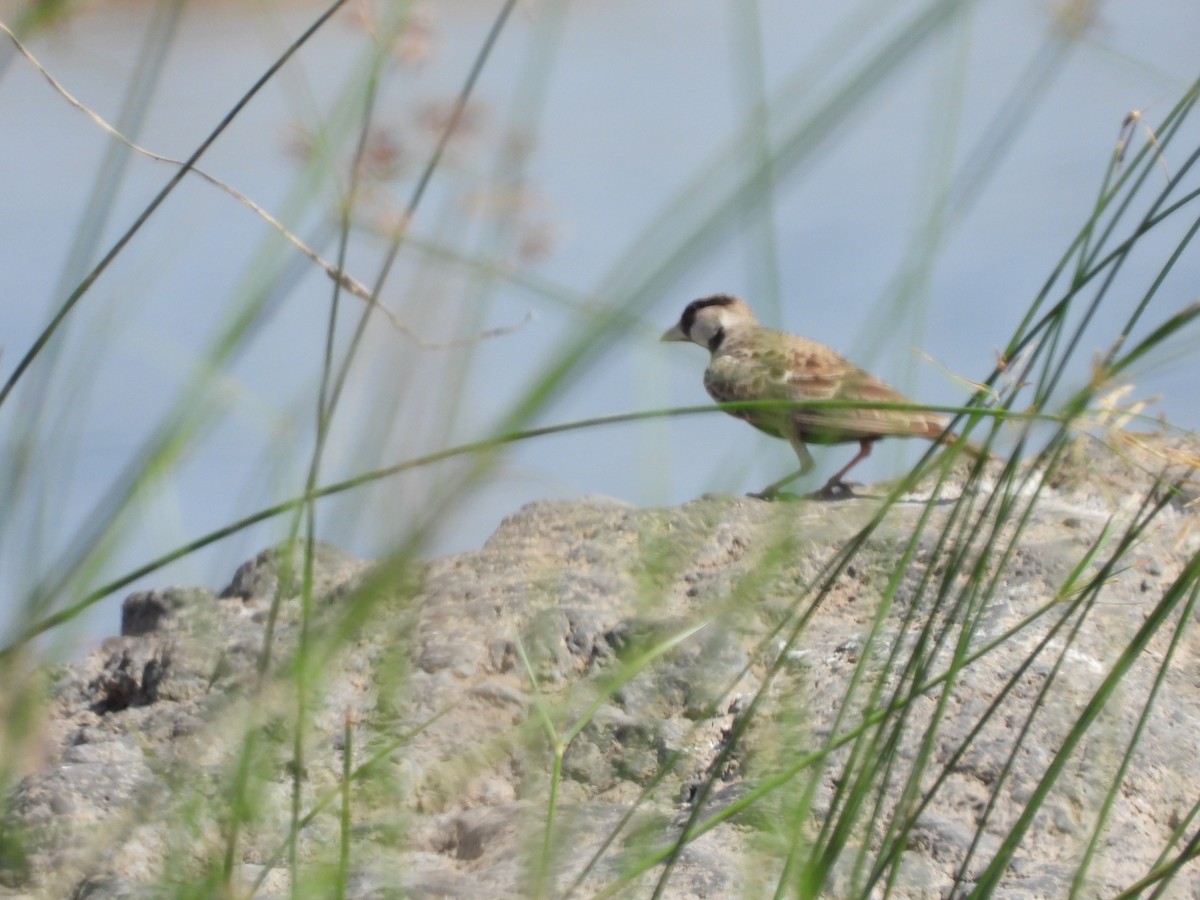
630	670
1177	833
1163	878
1131	181
560	743
1122	249
53	620
916	670
302	675
1182	586
29	445
827	579
323	415
1142	165
325	408
1108	191
96	534
669	766
333	794
1171	208
1018	741
326	404
819	866
333	394
76	295
1161	874
343	866
888	758
688	832
241	779
547	289
426	176
894	841
1134	175
545	862
964	745
850	791
1168	328
773	782
1076	611
976	536
1056	321
1046	387
643	796
510	173
757	207
1172	259
329	396
717	703
1118	778
1031	324
734	808
550	732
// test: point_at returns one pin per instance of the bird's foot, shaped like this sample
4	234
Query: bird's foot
770	495
835	489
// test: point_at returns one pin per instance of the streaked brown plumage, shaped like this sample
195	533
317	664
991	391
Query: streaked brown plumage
750	362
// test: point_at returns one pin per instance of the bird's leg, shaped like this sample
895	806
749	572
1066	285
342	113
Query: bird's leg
772	490
806	464
835	483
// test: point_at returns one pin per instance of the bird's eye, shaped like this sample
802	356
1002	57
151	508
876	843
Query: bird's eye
689	319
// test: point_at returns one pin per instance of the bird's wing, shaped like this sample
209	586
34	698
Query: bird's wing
771	365
815	372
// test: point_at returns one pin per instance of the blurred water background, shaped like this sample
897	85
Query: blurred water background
913	237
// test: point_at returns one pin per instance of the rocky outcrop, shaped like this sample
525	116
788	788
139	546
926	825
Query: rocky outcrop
734	672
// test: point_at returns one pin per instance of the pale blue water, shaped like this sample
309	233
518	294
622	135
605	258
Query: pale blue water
638	97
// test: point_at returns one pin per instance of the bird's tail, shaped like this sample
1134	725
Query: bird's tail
934	428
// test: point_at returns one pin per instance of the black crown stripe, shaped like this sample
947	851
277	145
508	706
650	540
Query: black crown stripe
689	314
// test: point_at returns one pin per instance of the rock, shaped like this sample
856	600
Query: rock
729	666
145	611
275	570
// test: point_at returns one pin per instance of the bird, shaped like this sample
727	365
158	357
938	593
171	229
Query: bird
751	362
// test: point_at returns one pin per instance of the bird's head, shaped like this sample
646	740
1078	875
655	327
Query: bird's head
707	320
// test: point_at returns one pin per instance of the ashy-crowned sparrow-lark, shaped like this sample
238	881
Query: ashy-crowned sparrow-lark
750	362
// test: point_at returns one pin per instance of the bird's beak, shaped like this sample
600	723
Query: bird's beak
674	333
